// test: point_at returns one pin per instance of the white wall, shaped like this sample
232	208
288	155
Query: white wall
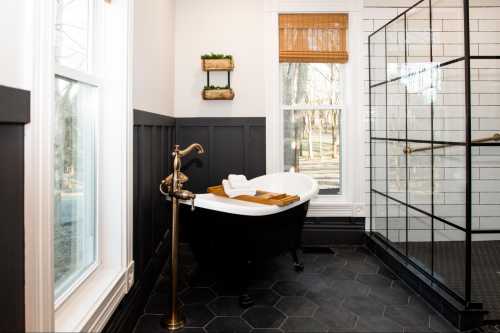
16	66
224	26
154	56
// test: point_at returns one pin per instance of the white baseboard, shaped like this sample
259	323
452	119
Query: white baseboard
330	209
130	275
103	313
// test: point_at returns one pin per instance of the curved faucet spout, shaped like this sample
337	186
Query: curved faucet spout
197	146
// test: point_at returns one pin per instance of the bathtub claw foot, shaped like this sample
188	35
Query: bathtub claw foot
298	266
246	301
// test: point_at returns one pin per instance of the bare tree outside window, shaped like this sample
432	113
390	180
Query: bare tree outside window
312	102
74	181
72	33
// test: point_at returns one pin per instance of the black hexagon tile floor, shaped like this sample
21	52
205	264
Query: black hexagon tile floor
349	291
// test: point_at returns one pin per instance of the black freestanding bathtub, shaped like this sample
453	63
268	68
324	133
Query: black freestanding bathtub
227	234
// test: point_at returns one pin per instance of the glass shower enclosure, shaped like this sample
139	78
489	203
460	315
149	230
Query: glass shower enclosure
434	137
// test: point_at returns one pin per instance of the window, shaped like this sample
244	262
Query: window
74	144
79	261
312	56
312	107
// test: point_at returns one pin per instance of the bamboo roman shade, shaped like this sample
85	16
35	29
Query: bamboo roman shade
313	38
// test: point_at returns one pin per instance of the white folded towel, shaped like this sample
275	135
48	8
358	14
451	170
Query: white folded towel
234	192
238	181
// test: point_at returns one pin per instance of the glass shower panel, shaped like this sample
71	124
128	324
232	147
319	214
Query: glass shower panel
378	111
418	35
449	257
486	188
420	239
485	98
395	36
449	103
420	177
379	166
396	170
448	30
379	211
485	113
396	225
377	57
396	110
484	37
449	183
416	78
418	106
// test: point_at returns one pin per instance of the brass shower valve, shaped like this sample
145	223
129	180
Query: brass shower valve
181	179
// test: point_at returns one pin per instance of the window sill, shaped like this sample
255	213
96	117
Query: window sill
91	305
75	284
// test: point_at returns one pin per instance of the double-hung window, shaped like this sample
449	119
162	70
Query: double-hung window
75	144
312	57
79	165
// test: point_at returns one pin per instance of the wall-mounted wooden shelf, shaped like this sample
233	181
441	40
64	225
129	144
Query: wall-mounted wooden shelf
217	65
220	64
218	94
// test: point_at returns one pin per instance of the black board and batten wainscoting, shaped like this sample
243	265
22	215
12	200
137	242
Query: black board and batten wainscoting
233	145
14	115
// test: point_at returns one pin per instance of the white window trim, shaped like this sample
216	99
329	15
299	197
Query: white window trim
351	201
94	301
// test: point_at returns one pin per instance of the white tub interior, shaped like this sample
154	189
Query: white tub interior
290	183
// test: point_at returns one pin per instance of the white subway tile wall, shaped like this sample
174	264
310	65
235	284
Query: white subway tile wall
445	89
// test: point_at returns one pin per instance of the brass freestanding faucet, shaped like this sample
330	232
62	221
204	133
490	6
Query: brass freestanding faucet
173	184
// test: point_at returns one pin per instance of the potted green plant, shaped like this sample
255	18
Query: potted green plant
217	62
217	93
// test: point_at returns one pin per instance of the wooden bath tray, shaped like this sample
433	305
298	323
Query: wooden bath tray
262	197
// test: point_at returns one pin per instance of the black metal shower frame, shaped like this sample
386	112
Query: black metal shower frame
465	299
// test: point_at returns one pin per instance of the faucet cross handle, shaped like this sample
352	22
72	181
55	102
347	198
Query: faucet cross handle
186	195
168	182
181	178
